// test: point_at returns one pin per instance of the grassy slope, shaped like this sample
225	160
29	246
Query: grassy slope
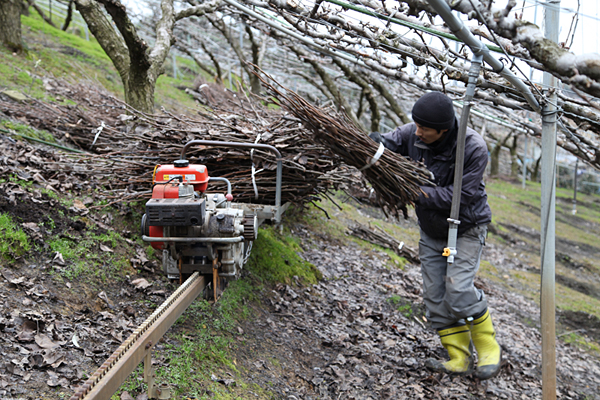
202	341
54	53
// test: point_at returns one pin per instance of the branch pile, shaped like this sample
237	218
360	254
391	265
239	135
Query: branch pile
123	145
395	179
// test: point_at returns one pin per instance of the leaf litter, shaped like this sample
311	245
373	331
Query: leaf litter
339	339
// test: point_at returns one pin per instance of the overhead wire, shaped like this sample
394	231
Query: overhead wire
426	59
553	6
356	34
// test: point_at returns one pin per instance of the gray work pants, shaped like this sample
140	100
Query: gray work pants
448	291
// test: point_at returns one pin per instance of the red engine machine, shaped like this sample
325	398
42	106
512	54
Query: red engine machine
201	231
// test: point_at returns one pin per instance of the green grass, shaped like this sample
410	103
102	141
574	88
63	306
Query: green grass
405	307
580	341
26	130
512	205
274	259
14	242
49	47
84	259
90	51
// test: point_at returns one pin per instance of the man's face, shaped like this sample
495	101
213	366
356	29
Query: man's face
428	135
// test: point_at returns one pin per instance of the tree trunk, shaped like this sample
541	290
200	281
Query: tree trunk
258	47
69	16
536	170
495	159
139	91
10	24
514	165
41	12
394	106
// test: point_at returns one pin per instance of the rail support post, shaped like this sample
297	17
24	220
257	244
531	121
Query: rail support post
162	391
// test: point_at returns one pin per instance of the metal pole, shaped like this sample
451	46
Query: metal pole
549	137
525	162
451	250
575	186
477	47
241	51
174	62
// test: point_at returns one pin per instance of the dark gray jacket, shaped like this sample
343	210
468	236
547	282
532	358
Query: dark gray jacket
433	209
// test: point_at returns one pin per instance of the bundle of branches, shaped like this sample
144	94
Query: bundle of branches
123	145
396	179
378	236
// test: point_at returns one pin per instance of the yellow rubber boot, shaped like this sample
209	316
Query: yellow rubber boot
456	341
489	353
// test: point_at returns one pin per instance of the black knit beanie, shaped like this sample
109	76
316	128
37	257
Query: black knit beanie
434	110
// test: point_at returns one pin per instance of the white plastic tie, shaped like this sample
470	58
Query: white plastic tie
254	172
375	157
98	132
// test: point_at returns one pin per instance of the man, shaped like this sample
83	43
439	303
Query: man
455	308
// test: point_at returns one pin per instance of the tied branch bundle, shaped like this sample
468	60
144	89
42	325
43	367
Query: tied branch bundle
395	179
122	145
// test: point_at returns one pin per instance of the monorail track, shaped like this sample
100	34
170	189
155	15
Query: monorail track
138	347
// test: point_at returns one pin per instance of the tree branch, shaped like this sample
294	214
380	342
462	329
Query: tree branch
110	41
137	48
198	10
41	12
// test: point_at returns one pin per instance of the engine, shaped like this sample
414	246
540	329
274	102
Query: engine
196	230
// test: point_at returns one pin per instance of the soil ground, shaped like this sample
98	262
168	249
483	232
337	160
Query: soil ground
359	333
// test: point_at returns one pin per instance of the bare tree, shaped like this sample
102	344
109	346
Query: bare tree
138	64
69	16
259	46
340	100
359	79
10	24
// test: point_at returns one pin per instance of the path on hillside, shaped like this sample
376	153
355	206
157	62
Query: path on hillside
344	339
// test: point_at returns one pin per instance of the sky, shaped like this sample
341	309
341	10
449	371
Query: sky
585	39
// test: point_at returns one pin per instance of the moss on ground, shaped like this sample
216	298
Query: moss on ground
15	242
274	259
25	130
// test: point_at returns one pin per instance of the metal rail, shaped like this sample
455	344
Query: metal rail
112	373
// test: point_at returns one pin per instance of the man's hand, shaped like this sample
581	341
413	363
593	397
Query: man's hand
376	136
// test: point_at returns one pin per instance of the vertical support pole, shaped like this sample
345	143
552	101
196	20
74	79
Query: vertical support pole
453	221
50	10
242	52
548	210
174	62
525	162
278	179
575	187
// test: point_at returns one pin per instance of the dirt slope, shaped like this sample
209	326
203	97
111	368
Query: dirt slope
86	283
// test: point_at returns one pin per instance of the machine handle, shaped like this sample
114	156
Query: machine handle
216	143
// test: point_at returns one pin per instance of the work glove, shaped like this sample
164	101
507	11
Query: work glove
376	136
